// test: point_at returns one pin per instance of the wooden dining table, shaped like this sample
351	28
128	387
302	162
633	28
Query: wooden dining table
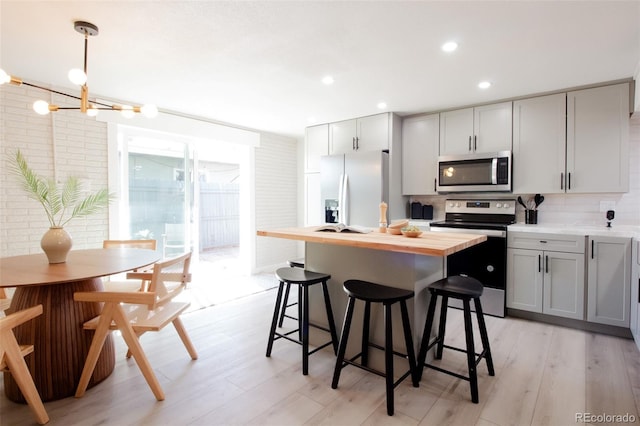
60	343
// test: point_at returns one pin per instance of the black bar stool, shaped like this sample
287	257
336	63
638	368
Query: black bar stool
463	288
297	263
303	279
376	293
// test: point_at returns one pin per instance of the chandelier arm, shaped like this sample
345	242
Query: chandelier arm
50	90
65	94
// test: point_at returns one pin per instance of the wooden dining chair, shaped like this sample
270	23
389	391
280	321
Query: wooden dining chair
128	284
12	359
173	239
135	313
5	301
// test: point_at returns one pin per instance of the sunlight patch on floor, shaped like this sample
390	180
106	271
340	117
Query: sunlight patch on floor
217	278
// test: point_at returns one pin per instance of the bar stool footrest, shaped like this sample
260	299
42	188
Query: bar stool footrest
451	373
286	337
479	356
352	361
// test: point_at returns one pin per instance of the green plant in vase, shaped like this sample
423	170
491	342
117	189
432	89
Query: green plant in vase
61	204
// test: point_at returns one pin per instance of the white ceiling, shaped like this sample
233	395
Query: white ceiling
259	64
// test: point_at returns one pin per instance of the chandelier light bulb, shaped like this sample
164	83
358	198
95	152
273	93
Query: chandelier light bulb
149	110
77	76
41	107
4	77
127	111
92	111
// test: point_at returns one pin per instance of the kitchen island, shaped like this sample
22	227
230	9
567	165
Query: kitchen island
393	260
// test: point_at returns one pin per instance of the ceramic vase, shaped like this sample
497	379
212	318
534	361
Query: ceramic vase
56	243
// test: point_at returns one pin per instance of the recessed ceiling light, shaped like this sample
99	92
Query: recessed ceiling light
382	105
449	46
484	84
328	80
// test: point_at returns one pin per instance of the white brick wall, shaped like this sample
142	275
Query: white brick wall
276	202
57	146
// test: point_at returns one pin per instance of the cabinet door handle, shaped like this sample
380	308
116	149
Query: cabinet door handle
561	180
353	143
592	247
546	266
475	142
469	143
569	183
539	263
435	184
357	143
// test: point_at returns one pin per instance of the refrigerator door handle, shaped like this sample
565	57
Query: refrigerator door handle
344	199
340	203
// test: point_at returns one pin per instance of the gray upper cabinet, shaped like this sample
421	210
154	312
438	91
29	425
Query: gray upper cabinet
539	140
486	128
360	134
316	144
420	154
598	139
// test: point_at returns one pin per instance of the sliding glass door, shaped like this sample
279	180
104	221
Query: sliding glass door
157	190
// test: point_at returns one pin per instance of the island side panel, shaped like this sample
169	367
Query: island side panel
401	270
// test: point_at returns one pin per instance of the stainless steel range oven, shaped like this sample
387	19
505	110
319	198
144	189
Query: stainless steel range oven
487	261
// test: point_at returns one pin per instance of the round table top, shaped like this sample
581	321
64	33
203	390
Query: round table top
35	269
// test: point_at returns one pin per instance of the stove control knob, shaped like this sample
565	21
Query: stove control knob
457	204
498	205
506	205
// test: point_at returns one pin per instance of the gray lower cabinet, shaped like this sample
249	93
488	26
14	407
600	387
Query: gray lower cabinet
635	291
543	279
609	280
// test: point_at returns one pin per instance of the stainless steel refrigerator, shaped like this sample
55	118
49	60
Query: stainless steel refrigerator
353	186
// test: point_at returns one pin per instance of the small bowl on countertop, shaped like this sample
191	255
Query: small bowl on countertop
394	231
399	224
411	234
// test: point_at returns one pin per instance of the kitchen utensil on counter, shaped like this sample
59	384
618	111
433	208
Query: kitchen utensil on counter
531	217
521	202
383	217
538	199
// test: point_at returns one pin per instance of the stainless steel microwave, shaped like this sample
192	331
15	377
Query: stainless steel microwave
484	172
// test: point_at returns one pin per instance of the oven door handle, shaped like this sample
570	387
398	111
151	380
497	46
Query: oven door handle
487	232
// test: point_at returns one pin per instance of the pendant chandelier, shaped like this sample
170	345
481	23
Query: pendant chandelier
79	77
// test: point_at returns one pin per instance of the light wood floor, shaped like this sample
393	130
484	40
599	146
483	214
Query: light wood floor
544	375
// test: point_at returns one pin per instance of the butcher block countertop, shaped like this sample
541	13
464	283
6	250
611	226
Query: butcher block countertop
428	244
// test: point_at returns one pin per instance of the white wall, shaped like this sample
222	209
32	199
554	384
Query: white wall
276	201
68	143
